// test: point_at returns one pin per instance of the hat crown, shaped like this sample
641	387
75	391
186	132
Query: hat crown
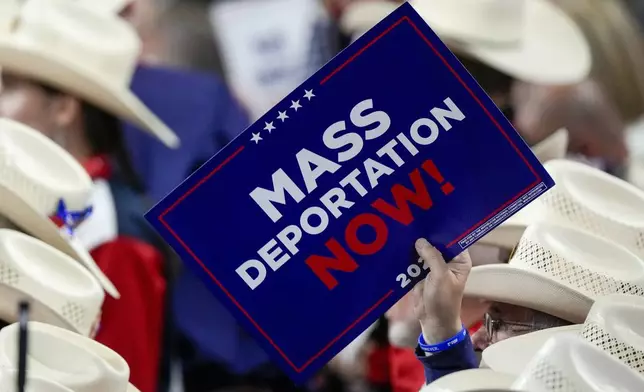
491	21
615	324
39	171
66	358
591	264
99	42
594	201
567	363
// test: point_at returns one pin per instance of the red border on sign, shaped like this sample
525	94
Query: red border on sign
381	300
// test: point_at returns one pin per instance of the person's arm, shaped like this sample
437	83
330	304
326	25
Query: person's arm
459	357
437	305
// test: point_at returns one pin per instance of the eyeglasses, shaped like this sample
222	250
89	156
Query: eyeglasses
493	325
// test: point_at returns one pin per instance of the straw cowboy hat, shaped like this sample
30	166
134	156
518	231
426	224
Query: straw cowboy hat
360	16
60	290
585	198
87	53
530	40
38	181
74	361
615	324
564	364
554	146
470	381
560	271
8	383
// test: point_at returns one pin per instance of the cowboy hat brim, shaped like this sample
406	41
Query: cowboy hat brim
552	50
512	355
471	380
42	228
554	146
508	233
21	59
521	287
38	311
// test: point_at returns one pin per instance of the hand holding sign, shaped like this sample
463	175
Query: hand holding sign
437	299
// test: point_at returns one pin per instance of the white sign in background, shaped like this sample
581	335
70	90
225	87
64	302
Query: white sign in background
266	47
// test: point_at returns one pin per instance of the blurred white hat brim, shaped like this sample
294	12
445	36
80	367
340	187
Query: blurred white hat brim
471	380
554	146
49	44
360	16
107	6
530	40
63	74
529	289
512	355
8	11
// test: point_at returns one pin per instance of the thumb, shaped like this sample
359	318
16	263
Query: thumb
432	257
461	265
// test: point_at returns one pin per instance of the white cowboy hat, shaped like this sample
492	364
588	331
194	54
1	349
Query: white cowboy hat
569	364
36	178
554	146
106	6
8	11
83	52
560	271
585	198
74	361
8	383
615	324
360	16
564	364
530	40
470	381
61	291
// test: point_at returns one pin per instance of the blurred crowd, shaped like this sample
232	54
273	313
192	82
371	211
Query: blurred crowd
107	105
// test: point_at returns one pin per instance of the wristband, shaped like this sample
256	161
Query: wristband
444	345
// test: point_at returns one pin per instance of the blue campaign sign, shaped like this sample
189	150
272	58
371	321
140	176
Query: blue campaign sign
304	225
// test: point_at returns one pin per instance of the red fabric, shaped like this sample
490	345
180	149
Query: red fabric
133	325
407	372
98	167
378	365
472	330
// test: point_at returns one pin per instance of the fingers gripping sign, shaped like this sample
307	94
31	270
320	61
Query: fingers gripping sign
437	299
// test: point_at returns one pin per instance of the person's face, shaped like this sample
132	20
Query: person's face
26	102
503	321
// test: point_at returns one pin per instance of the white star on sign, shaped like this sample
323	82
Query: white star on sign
256	138
296	105
282	116
308	94
269	127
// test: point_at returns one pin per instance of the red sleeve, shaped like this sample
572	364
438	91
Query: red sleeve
133	325
407	372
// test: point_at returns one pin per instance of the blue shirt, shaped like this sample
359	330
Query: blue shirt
198	108
459	357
